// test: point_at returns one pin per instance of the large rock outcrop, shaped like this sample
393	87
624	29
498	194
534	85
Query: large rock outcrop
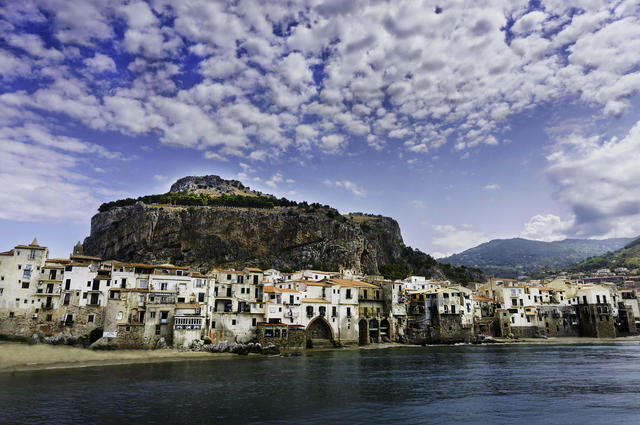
204	236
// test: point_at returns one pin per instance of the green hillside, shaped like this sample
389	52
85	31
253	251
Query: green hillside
628	256
517	256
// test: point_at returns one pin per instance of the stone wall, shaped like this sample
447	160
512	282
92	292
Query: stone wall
594	323
287	338
557	321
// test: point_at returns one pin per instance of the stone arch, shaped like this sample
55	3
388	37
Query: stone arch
319	333
363	332
385	329
374	331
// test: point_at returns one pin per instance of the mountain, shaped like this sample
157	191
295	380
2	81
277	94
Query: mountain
208	221
628	256
517	256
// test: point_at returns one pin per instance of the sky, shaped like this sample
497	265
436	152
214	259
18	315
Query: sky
464	120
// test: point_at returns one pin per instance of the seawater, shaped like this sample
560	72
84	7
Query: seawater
492	384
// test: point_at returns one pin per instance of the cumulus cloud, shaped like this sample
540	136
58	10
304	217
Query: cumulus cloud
100	63
597	179
493	186
319	77
547	228
452	239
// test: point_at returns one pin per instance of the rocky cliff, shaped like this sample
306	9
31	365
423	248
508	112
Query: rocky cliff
204	236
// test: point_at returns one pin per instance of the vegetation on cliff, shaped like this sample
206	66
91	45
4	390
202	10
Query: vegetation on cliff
628	256
189	198
415	262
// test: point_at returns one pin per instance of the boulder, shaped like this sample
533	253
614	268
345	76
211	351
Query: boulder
104	344
162	343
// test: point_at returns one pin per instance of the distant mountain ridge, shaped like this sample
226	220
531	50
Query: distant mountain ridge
628	256
518	256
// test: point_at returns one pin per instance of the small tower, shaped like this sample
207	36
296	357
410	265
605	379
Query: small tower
35	242
77	250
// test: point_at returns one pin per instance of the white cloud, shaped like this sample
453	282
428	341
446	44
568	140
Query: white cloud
451	239
347	185
332	143
598	180
547	228
100	63
274	181
493	186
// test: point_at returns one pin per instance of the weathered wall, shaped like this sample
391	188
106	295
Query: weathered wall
594	324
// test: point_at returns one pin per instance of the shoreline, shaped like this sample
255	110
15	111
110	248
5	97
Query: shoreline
22	357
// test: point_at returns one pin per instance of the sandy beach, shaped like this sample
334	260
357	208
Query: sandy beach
18	357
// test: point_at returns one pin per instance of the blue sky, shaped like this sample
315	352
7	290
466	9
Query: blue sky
465	121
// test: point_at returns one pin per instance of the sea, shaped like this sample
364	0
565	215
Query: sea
461	384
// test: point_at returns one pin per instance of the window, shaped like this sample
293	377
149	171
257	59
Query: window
598	299
604	299
11	315
201	297
157	329
152	314
254	322
25	285
228	277
88	283
27	272
164	286
32	254
67	298
309	310
19	266
334	311
49	317
84	295
348	293
213	325
348	311
67	284
90	318
233	322
109	282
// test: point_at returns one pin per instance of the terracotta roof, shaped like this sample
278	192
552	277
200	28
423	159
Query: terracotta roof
293	291
52	267
315	300
58	260
30	247
7	253
546	288
313	283
254	269
269	289
482	298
